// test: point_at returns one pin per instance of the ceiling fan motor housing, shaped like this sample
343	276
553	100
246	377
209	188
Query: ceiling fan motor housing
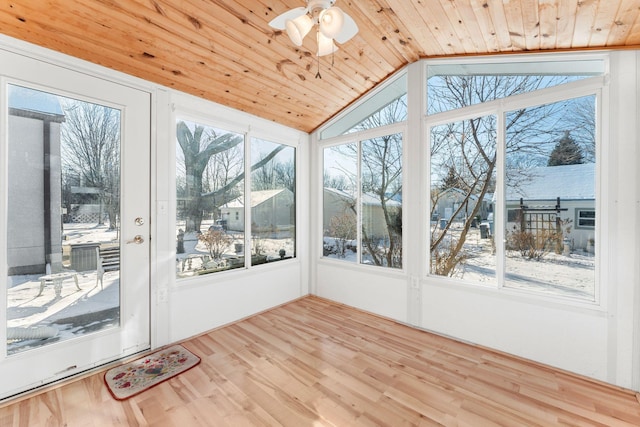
318	5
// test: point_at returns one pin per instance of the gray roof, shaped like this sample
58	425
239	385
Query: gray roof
367	199
257	198
569	182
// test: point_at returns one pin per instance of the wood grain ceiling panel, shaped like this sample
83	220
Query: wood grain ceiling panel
225	51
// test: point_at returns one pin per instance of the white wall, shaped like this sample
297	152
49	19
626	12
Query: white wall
601	340
374	291
229	296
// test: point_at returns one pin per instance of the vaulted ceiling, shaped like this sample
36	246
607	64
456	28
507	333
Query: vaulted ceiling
225	51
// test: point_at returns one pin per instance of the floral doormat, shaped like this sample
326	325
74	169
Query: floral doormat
135	377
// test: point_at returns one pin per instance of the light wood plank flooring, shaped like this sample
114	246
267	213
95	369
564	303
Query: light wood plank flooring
313	362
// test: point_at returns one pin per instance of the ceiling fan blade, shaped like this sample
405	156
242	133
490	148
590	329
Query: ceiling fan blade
349	29
279	21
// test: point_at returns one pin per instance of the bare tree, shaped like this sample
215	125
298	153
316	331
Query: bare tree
381	178
222	168
286	174
198	146
468	147
91	150
339	182
280	172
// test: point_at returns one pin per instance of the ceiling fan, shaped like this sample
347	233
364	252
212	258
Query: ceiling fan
333	24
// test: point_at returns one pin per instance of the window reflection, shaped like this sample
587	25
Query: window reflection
63	218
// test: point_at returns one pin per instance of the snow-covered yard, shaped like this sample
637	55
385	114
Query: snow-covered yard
571	275
74	312
196	258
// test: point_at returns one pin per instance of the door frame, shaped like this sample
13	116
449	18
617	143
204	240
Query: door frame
29	69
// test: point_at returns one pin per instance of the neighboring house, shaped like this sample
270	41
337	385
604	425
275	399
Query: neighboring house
270	210
573	184
338	202
450	199
34	232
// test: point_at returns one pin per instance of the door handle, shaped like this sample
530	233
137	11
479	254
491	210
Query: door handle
138	240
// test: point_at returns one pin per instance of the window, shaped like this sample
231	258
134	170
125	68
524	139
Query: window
463	164
209	186
452	86
362	194
387	106
273	201
374	196
63	209
513	215
543	189
381	201
340	206
550	166
211	200
585	218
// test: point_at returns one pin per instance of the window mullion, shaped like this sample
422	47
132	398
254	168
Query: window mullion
248	230
359	204
499	207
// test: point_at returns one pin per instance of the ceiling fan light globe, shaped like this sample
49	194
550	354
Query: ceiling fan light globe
298	28
331	21
326	45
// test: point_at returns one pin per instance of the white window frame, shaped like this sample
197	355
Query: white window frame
579	218
357	138
586	87
214	119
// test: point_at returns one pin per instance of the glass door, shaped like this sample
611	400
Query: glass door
75	214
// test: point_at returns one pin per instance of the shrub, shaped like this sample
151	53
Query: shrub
343	228
533	245
216	242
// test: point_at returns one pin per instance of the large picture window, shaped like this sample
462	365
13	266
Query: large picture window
533	206
213	206
549	173
209	177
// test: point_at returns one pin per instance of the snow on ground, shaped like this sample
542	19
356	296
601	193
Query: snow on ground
26	308
77	312
571	275
80	309
196	256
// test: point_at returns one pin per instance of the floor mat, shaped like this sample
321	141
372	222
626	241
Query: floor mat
135	377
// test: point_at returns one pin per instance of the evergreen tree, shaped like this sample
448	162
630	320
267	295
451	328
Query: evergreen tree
453	180
566	152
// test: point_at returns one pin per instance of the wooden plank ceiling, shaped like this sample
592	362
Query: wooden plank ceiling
225	51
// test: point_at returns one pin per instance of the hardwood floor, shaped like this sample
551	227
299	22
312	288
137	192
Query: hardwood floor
313	362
